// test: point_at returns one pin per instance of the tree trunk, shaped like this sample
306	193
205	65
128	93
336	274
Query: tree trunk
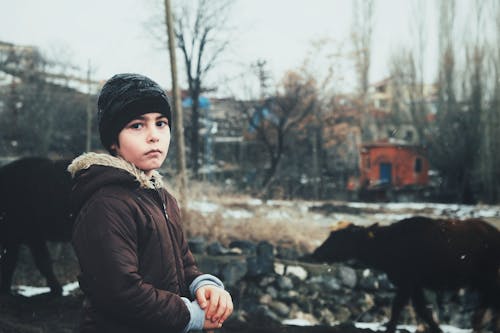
195	132
179	127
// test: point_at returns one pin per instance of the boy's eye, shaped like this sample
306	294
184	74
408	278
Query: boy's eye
161	123
136	125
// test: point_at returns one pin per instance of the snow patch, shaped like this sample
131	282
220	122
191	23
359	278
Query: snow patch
276	214
204	207
297	322
410	328
29	291
298	271
237	214
254	202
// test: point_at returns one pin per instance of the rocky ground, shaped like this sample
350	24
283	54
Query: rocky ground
329	298
43	313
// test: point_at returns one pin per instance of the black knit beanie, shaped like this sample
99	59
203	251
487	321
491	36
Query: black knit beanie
125	97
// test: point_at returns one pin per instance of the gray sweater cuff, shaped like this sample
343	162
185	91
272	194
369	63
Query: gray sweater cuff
197	316
203	280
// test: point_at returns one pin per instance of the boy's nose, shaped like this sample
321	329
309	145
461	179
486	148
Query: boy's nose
154	135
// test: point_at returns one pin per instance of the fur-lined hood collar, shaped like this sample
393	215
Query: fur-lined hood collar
87	160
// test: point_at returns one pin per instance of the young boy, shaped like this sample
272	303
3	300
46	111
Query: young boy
137	271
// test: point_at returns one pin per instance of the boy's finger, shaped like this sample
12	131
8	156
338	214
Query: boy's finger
201	298
213	305
227	312
221	310
209	325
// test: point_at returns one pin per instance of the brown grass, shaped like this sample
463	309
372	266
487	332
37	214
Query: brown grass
292	230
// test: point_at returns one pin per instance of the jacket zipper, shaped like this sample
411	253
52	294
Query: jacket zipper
163	206
177	256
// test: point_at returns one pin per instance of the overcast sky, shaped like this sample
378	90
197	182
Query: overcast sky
112	34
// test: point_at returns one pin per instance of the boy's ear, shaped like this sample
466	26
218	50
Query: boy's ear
113	149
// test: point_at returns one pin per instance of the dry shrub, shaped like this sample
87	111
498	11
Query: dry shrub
293	229
200	190
301	236
196	224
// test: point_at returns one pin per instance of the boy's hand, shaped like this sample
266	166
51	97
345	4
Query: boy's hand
209	326
216	302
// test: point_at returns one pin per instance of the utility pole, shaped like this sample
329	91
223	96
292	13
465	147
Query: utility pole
179	127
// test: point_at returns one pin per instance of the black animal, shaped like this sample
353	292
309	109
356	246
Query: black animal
34	208
420	252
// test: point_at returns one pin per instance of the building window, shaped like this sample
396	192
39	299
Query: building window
418	165
367	162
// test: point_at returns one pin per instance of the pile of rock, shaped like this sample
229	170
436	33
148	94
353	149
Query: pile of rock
273	285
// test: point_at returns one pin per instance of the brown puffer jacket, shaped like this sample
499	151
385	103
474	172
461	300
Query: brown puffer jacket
135	262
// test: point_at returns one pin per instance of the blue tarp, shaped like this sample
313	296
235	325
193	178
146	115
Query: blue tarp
261	114
203	102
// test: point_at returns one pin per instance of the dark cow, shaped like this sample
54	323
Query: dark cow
34	208
420	252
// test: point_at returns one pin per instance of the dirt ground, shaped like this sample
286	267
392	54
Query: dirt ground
46	314
273	221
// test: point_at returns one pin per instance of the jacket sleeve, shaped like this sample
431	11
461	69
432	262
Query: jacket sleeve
105	242
191	270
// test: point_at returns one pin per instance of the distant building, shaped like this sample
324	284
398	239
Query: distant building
221	128
393	105
22	61
393	165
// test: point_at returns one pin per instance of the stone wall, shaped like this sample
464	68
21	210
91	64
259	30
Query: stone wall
273	285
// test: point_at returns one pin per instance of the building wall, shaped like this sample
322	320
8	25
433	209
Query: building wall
406	165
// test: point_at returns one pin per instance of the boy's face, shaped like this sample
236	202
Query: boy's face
144	141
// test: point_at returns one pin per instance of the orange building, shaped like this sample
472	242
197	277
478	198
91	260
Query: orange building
393	165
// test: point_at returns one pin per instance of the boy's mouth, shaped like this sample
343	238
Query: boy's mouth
153	151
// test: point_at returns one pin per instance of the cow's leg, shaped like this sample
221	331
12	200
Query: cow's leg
8	262
496	320
489	297
41	255
495	304
400	300
423	311
495	308
478	317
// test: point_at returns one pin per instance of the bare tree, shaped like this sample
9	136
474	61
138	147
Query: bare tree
489	160
416	71
494	121
41	115
408	104
179	126
447	147
294	159
399	68
273	123
325	62
202	36
472	108
455	140
260	69
198	29
362	29
419	34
